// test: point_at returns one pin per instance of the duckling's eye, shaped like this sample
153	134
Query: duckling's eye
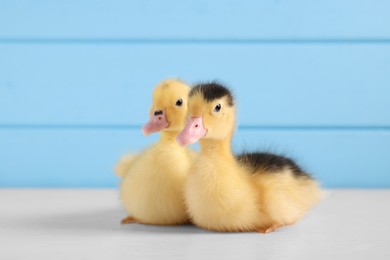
179	102
217	108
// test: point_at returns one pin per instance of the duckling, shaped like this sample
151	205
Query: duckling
151	190
249	192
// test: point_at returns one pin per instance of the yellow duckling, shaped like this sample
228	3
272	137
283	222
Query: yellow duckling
153	181
250	192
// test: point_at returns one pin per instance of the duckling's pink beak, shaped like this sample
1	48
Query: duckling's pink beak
192	132
156	123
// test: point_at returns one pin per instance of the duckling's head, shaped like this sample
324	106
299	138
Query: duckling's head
169	107
211	114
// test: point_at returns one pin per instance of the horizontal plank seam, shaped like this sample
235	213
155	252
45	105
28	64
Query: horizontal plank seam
129	41
240	127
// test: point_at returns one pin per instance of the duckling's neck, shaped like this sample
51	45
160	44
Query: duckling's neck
168	136
214	147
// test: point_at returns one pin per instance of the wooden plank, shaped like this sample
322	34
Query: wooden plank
85	157
289	85
175	19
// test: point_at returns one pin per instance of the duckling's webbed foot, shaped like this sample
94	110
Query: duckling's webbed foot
268	229
130	220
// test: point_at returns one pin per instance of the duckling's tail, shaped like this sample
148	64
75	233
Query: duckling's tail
123	165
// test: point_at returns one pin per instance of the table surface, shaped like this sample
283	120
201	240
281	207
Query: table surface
84	224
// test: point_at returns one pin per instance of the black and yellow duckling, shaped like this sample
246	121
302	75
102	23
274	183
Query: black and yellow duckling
249	192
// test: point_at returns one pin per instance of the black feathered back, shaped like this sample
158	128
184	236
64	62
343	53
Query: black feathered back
270	163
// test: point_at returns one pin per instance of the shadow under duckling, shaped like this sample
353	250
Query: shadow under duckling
151	190
249	192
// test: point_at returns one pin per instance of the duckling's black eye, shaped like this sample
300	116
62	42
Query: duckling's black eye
217	108
179	102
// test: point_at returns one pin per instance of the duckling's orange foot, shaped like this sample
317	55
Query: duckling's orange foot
269	229
130	220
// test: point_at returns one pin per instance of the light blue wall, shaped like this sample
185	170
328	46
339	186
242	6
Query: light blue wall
312	79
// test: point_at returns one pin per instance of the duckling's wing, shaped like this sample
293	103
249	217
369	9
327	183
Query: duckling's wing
268	163
123	165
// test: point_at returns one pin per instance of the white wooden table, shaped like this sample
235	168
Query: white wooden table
84	224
